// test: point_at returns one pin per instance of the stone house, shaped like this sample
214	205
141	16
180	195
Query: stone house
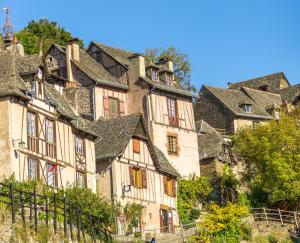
228	110
274	83
130	169
215	153
167	108
42	136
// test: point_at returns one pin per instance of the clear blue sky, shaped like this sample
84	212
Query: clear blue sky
229	40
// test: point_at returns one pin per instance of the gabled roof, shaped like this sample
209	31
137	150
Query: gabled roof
167	88
210	142
124	57
64	109
233	99
120	55
263	98
11	68
94	70
115	134
271	80
291	93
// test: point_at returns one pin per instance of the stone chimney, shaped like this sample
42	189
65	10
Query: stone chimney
139	61
15	47
229	84
72	53
167	63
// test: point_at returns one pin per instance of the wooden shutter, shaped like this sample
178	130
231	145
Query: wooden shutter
166	185
106	106
136	146
144	178
173	187
131	176
122	107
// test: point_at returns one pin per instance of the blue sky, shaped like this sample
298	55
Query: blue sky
226	40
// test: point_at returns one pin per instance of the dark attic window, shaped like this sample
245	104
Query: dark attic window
264	88
247	108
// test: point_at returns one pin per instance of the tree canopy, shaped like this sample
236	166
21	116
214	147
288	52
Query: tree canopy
40	35
271	153
182	65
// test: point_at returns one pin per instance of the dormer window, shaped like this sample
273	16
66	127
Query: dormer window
247	108
154	74
169	79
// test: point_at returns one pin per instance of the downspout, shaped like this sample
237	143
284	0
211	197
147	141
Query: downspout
149	108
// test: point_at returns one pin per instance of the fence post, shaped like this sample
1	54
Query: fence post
22	207
296	221
182	233
47	210
65	216
91	230
265	213
280	216
70	220
54	213
78	221
12	200
30	207
35	209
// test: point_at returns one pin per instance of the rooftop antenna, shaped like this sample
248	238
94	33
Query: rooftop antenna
8	29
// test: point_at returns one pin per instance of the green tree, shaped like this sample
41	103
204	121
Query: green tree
190	194
271	153
40	35
182	65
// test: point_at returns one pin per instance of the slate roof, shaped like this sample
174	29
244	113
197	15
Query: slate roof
94	70
11	68
272	80
64	108
233	99
290	93
210	142
263	98
124	58
115	134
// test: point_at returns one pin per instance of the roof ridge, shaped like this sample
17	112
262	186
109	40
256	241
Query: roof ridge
116	48
260	77
261	91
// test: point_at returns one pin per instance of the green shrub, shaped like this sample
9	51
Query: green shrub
272	239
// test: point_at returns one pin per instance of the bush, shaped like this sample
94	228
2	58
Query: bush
224	224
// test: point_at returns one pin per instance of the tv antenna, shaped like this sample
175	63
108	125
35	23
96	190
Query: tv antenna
7	30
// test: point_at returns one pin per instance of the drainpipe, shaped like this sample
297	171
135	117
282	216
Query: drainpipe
149	108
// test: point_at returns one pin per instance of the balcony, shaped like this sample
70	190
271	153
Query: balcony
173	121
33	144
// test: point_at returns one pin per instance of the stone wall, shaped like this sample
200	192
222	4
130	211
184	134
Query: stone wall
212	111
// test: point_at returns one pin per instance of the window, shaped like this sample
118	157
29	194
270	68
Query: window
138	177
52	174
49	131
169	186
247	108
172	111
32	169
172	145
32	140
136	145
169	79
80	179
31	124
79	145
154	74
113	107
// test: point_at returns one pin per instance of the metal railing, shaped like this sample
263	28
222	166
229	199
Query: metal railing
54	211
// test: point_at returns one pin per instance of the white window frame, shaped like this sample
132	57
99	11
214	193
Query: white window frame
79	145
32	168
49	131
31	124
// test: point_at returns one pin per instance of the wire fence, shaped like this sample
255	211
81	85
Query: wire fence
54	211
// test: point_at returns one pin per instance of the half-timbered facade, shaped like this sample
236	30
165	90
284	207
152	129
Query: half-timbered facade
167	109
98	93
131	170
42	136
